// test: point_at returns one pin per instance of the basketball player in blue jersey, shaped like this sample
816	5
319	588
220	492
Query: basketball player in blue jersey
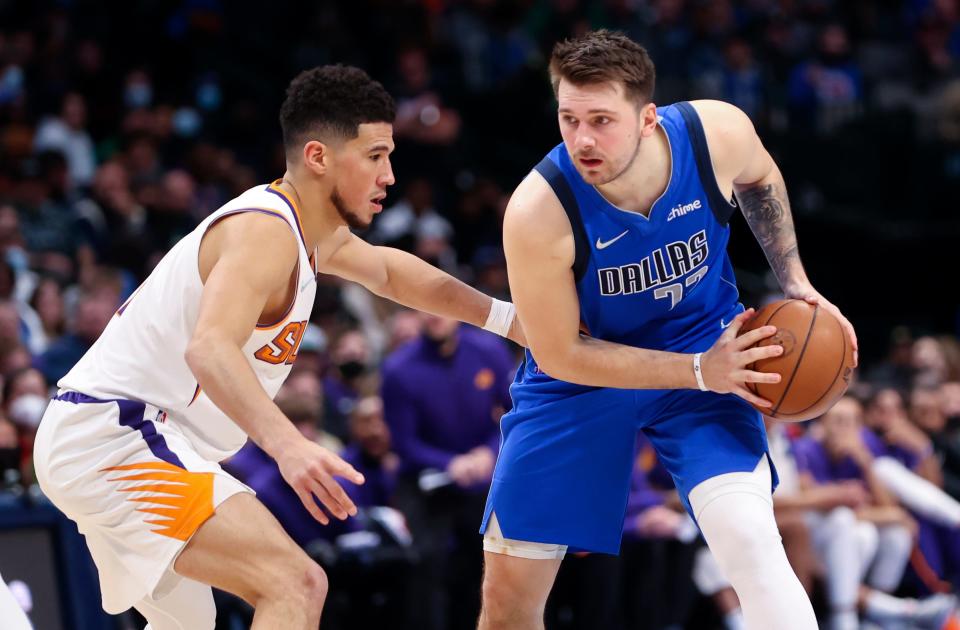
616	252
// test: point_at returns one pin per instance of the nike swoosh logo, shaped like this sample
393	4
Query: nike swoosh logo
722	325
602	245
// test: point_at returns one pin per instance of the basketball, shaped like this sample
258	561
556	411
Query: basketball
816	364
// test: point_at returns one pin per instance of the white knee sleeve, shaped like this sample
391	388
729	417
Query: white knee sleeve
917	493
707	575
893	554
189	606
735	513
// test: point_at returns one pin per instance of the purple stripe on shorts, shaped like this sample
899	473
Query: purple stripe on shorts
131	415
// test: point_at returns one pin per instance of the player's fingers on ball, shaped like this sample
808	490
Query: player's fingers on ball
306	498
749	338
763	352
752	376
736	324
343	500
748	396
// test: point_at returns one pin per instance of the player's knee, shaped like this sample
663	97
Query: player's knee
308	585
294	577
506	604
742	541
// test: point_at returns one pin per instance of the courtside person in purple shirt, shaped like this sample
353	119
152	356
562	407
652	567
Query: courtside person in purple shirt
443	395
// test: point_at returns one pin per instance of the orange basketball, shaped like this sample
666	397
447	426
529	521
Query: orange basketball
816	364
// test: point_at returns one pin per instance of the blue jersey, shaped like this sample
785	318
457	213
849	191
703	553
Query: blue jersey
662	281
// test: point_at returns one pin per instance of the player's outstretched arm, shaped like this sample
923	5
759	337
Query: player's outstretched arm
538	243
239	278
408	280
739	156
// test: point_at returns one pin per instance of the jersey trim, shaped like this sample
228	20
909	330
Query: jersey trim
722	207
196	394
276	190
296	282
561	188
131	415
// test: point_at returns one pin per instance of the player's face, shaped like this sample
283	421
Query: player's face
364	172
601	128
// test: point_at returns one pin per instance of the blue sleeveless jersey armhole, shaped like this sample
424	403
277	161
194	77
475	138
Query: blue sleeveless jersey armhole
561	188
722	208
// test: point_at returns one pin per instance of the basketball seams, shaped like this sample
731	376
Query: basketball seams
843	360
753	366
796	365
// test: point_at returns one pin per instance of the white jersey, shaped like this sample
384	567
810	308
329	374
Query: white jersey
140	355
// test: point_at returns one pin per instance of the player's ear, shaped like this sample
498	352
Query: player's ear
648	119
316	156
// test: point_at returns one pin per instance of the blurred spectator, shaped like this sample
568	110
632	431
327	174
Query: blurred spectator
411	219
14	357
929	362
47	302
11	331
305	411
169	215
403	326
838	452
903	440
93	312
369	451
421	114
845	545
47	218
311	356
895	371
658	551
10	463
827	92
112	221
347	379
25	398
443	396
67	134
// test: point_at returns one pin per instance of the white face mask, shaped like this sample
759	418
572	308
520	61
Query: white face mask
27	410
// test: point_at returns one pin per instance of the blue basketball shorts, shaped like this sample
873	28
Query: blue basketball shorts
565	463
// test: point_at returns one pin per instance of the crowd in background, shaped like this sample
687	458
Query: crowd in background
119	132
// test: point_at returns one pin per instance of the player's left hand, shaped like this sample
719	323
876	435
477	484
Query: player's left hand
810	295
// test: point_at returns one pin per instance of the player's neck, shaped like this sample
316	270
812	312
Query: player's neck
318	216
645	179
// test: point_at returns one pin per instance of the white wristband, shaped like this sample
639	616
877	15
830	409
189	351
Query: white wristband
500	317
698	372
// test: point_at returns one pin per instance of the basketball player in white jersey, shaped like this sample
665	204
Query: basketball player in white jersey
188	367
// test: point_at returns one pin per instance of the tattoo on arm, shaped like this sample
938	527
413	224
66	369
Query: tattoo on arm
767	211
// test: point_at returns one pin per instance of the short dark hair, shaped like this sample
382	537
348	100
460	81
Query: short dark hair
602	56
331	102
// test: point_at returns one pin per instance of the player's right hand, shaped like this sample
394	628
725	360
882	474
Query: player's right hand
309	469
724	366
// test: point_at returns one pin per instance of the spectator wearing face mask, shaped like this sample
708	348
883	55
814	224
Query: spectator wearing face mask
346	380
25	398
